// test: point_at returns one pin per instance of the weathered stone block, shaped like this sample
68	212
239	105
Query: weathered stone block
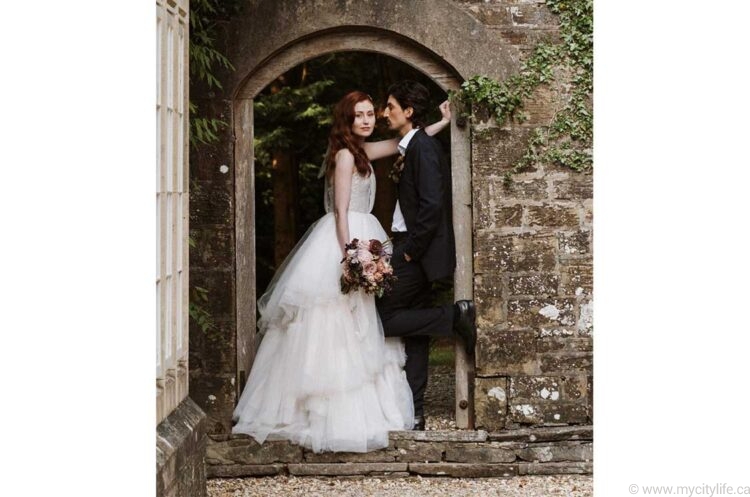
564	344
530	189
240	470
537	284
547	412
525	39
574	243
214	248
567	362
180	445
576	388
496	150
309	469
492	207
586	318
490	404
491	14
248	451
536	388
588	213
487	453
544	434
440	436
505	216
210	351
211	204
543	105
542	314
216	395
501	351
413	451
206	160
559	452
220	286
556	468
576	279
547	388
532	15
576	187
553	215
464	470
488	297
494	252
389	454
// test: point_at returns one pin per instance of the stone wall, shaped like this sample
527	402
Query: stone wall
433	453
532	241
180	452
533	279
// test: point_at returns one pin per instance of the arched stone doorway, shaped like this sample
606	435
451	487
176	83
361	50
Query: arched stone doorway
353	38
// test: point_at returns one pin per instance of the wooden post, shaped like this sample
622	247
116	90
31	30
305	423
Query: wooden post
463	283
244	194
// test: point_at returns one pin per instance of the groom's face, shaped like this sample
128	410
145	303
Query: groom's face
397	116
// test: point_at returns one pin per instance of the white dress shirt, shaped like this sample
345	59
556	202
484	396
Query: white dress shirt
399	224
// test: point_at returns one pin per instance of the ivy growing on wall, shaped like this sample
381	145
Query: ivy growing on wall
568	140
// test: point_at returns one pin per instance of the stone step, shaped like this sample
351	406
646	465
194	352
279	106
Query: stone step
457	453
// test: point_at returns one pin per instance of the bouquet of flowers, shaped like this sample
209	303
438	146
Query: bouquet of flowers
367	266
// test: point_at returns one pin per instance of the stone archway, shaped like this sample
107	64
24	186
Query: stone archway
354	38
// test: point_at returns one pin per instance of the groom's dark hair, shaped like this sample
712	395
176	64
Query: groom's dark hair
412	94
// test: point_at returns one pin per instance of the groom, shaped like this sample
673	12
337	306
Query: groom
423	244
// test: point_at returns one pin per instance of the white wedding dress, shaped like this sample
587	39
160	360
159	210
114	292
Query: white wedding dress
324	376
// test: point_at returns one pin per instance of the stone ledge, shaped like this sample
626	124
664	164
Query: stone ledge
237	470
441	435
336	469
532	451
555	468
545	434
180	450
464	470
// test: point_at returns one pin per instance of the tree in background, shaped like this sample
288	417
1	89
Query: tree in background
292	122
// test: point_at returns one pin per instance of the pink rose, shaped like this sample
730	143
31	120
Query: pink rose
369	268
364	256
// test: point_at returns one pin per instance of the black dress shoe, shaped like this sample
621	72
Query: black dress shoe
418	423
465	324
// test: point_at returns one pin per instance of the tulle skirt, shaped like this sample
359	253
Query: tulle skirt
324	376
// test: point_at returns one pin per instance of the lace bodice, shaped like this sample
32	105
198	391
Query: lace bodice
362	196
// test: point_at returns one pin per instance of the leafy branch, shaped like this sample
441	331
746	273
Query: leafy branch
568	140
205	59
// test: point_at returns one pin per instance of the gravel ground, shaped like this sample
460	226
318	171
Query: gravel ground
440	398
290	486
439	411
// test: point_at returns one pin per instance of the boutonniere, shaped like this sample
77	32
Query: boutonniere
396	169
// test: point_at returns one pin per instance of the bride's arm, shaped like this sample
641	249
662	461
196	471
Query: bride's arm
342	189
384	148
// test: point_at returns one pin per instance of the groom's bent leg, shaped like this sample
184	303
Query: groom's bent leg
435	321
403	313
417	350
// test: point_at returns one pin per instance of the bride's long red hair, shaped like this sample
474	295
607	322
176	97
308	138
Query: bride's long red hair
341	134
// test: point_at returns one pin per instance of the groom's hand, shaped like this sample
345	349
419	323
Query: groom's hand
406	256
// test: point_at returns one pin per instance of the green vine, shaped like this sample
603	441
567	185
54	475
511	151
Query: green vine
567	141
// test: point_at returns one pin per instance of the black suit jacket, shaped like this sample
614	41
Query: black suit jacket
424	194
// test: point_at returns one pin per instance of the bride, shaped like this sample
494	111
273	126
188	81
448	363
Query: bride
324	376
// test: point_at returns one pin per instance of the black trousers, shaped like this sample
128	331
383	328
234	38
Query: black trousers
405	314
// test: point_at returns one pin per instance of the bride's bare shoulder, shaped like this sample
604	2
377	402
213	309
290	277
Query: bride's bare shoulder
344	155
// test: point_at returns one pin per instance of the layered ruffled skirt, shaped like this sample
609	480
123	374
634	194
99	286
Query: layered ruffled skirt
324	376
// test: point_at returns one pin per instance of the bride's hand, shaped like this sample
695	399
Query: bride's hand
445	110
